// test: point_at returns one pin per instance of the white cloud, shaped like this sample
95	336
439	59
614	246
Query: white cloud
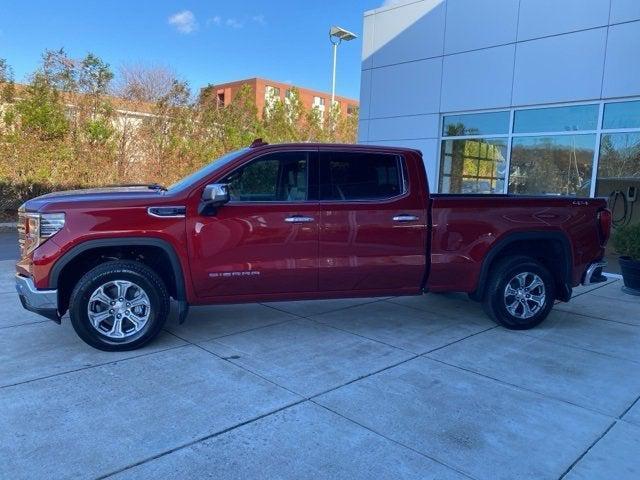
217	20
184	21
259	19
233	23
230	22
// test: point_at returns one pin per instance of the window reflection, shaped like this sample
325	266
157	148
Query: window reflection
558	119
621	115
552	165
619	165
473	166
476	124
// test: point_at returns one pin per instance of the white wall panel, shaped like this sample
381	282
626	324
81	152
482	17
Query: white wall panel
479	79
559	69
410	32
405	89
622	68
539	18
399	128
365	93
367	41
363	131
624	10
473	24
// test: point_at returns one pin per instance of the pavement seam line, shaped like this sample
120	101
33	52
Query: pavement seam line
396	442
385	299
629	408
198	440
381	299
229	360
234	333
306	397
112	362
521	388
459	340
248	370
605	284
562	344
577	460
424	310
38	322
596	318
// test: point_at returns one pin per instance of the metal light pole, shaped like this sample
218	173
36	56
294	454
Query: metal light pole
336	36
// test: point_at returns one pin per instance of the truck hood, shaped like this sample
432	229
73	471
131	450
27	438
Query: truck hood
109	194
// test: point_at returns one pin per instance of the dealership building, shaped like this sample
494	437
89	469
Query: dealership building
509	96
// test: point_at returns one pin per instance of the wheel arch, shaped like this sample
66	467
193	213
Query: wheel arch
172	273
540	245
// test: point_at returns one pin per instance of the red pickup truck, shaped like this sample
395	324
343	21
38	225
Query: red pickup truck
292	222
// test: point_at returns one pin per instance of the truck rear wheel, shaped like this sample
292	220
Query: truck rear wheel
119	305
520	293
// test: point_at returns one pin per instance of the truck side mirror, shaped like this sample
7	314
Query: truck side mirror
214	195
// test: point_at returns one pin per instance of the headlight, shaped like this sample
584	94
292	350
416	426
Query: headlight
35	228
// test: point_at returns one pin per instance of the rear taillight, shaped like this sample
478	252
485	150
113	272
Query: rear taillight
604	225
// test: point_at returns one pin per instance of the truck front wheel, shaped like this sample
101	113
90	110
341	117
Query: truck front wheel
520	294
119	305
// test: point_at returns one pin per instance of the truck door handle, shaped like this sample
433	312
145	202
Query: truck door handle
299	219
405	218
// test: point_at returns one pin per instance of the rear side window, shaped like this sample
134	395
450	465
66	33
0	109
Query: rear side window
360	176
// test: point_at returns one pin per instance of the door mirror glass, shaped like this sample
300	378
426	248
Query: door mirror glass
216	194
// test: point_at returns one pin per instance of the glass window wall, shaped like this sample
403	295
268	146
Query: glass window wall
552	165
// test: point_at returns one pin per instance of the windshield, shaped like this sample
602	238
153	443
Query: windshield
206	170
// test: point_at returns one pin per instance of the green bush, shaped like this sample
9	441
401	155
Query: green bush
626	241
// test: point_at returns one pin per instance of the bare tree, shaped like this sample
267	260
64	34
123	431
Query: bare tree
144	83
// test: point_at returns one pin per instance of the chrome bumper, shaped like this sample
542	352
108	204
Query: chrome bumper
42	302
594	274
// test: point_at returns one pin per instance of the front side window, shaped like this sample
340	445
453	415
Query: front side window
360	176
279	177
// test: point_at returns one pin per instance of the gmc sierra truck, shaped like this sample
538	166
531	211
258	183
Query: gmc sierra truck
292	222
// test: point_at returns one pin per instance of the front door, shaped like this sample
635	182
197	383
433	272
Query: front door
373	227
265	240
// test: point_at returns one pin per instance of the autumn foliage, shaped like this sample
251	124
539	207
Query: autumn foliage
75	125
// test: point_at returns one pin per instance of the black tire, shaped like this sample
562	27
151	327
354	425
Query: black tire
120	270
496	298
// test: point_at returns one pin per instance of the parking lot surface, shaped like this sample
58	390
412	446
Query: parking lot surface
415	387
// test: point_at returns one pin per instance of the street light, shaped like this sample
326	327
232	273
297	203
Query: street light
336	36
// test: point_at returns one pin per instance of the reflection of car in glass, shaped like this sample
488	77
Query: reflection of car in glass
298	221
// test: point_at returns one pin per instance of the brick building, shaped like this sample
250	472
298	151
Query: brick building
269	90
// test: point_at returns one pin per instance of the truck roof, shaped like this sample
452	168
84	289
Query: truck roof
259	144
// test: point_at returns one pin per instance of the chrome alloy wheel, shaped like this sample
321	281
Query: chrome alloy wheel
119	309
524	295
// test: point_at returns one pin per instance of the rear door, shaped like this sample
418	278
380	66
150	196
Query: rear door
373	222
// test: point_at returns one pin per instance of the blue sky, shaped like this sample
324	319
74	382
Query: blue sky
204	41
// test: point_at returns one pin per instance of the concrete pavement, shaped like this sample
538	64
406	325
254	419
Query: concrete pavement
417	387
